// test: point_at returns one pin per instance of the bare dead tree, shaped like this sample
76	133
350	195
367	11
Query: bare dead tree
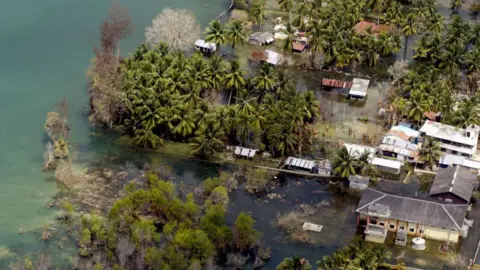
176	27
48	156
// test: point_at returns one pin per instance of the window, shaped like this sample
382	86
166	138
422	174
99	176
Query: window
454	152
392	226
421	231
412	229
402	227
382	224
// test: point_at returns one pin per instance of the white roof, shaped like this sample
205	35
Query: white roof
245	152
280	35
209	45
359	87
273	58
450	133
356	149
280	27
300	163
394	164
398	142
459	160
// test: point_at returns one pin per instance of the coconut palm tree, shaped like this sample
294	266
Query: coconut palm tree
216	71
235	32
436	23
343	164
456	4
234	79
287	5
417	105
288	42
215	33
430	152
467	114
265	80
145	137
301	11
409	29
257	13
207	141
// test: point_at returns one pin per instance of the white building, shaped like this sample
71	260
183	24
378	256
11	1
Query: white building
356	150
359	88
456	141
207	47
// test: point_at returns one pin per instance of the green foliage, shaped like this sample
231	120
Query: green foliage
211	183
257	180
295	263
357	255
245	236
219	196
343	164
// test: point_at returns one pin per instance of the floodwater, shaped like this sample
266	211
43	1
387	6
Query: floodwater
45	50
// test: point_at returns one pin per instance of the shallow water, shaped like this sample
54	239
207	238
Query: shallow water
45	50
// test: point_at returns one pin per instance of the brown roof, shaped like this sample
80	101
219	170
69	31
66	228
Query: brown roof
362	27
297	46
336	83
399	134
430	115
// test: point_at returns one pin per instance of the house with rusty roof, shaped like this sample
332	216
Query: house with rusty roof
401	143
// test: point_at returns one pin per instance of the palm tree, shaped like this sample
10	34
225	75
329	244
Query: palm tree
344	164
417	105
436	23
236	32
409	29
215	33
287	5
288	42
208	139
257	13
184	120
467	115
234	79
430	152
216	71
301	11
265	80
456	4
146	138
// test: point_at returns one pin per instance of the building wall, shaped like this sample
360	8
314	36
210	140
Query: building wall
440	234
419	230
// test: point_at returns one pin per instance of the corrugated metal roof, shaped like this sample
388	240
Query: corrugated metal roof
455	180
449	216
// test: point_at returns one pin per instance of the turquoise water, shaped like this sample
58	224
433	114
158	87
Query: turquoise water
45	49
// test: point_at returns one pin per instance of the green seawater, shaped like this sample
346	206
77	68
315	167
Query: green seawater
45	49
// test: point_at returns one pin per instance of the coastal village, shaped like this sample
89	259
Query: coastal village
442	212
291	133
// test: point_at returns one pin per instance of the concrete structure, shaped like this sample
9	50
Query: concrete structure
307	226
358	182
418	243
456	141
417	217
387	165
206	47
261	38
449	160
359	88
324	167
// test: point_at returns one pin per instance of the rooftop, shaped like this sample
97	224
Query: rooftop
272	57
209	45
456	180
262	37
361	28
359	87
450	216
388	163
359	179
245	152
300	163
298	46
446	132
